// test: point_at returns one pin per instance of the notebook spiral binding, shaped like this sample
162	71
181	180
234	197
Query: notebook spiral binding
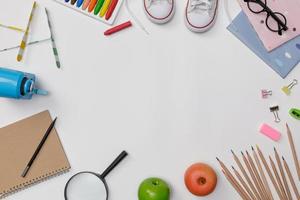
33	182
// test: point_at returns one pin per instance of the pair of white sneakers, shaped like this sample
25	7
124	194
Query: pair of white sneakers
200	15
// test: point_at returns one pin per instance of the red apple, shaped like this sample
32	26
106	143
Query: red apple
200	179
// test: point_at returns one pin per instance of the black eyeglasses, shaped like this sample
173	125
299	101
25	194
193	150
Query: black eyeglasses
275	21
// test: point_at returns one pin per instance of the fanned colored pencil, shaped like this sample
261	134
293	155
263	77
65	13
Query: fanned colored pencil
244	184
283	177
292	145
262	174
258	178
252	176
288	171
279	182
54	49
25	37
234	181
262	158
12	28
238	162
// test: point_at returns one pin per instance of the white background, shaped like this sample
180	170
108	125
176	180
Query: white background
170	99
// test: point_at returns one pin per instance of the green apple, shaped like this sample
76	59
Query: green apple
154	189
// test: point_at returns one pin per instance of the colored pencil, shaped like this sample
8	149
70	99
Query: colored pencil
244	184
283	177
244	194
252	175
292	182
118	28
54	49
262	158
25	37
237	189
279	182
262	174
238	162
292	145
12	28
256	173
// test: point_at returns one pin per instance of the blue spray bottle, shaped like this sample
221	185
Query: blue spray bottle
18	85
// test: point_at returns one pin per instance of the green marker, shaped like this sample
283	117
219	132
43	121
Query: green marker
295	113
98	7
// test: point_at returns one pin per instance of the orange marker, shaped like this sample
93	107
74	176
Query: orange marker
92	5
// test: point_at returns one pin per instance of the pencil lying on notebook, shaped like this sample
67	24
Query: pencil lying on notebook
38	149
25	36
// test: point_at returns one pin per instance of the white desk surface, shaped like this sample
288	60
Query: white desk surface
170	99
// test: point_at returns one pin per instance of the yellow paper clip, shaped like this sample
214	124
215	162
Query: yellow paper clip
287	89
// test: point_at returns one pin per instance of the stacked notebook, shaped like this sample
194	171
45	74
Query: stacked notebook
18	142
281	53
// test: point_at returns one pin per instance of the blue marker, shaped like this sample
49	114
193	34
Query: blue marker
18	85
67	1
79	3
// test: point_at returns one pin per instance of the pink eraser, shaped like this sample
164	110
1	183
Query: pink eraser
270	132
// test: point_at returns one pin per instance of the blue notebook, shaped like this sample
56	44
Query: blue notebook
282	59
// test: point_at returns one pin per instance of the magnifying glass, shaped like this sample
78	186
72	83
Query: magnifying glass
90	185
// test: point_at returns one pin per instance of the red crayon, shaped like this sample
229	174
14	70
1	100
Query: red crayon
111	9
118	28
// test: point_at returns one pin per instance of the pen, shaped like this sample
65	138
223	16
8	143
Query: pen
38	149
118	28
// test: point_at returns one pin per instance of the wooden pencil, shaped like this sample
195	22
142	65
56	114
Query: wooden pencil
279	182
234	185
288	172
260	183
244	184
246	196
292	145
262	174
283	177
252	176
262	158
249	181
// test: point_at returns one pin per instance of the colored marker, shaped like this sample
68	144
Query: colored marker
67	1
73	2
98	7
111	9
118	28
79	3
92	5
104	7
85	4
25	36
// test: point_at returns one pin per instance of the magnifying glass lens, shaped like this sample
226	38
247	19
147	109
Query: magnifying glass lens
86	186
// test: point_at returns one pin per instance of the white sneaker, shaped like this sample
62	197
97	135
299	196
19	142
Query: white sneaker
159	11
200	15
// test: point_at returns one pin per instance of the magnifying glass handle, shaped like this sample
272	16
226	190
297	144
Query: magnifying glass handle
122	155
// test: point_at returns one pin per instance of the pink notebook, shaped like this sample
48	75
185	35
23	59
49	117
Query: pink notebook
271	40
